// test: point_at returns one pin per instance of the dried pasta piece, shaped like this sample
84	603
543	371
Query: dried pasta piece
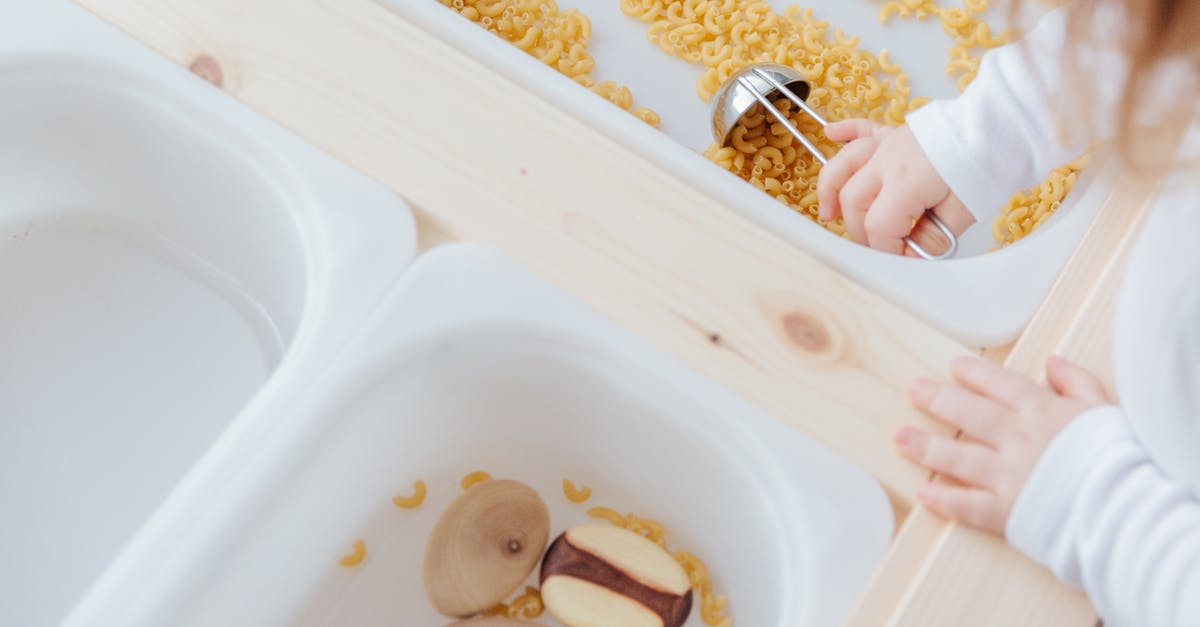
355	557
473	478
575	494
527	605
415	500
611	515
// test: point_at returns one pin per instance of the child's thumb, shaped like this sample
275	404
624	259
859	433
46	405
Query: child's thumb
1074	382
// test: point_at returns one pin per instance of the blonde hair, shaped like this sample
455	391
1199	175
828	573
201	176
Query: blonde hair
1152	34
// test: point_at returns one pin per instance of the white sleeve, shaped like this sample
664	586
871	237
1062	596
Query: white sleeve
1001	135
1100	514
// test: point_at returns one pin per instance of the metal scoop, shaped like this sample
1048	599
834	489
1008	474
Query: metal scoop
758	84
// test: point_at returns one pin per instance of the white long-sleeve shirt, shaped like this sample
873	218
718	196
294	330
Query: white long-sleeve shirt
1113	505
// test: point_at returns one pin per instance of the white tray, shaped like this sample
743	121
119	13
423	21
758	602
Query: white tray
982	299
473	363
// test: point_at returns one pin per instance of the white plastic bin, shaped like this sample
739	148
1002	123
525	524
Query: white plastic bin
981	298
472	363
163	252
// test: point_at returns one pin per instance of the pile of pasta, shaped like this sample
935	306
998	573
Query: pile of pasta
726	36
557	38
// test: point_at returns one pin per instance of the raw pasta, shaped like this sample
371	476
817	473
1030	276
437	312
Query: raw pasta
575	494
558	38
356	556
1024	211
726	36
414	501
472	478
527	605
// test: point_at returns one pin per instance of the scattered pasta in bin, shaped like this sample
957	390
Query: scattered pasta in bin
557	38
725	36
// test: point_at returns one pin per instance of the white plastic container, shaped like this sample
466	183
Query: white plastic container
472	363
166	258
982	299
218	367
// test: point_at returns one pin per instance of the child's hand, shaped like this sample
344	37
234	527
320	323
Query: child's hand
1007	422
881	182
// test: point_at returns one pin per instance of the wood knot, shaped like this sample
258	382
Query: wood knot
207	68
806	332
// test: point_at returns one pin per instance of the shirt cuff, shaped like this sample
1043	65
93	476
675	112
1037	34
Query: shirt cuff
934	127
1043	508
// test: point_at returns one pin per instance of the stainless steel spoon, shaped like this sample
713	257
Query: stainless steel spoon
758	84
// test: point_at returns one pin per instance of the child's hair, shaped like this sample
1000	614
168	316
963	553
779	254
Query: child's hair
1152	33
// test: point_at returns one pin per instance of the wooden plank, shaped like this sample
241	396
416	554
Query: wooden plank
937	573
495	164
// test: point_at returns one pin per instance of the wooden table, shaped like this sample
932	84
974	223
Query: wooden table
496	165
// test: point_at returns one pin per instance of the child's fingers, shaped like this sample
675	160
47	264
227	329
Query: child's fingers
890	218
970	506
838	171
850	130
974	415
970	463
990	380
1074	382
856	196
954	213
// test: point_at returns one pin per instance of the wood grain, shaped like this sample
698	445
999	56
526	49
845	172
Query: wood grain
496	165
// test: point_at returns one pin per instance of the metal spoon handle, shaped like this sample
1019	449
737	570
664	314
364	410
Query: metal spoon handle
939	235
919	229
770	108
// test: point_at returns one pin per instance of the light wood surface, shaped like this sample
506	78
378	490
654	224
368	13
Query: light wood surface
496	165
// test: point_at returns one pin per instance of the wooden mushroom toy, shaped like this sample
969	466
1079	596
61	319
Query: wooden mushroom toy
495	621
485	544
599	574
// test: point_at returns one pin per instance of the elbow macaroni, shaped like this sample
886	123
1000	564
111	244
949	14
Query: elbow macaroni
414	501
728	35
1025	211
527	605
575	494
557	38
356	556
725	36
474	478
